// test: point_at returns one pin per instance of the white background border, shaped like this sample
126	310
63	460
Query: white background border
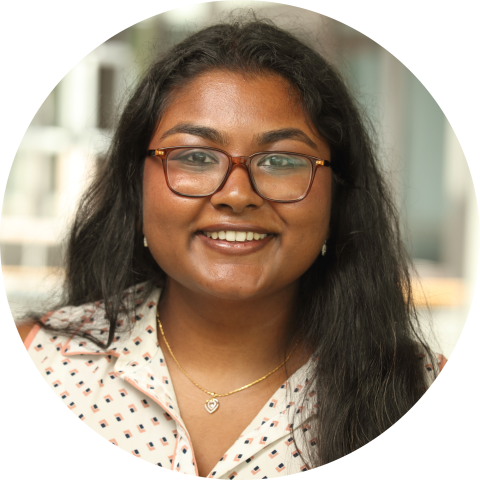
438	41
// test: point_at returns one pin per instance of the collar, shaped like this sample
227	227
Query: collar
139	358
141	362
137	344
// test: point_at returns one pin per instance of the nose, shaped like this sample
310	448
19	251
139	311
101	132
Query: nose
237	193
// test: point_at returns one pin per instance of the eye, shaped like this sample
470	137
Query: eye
194	157
282	161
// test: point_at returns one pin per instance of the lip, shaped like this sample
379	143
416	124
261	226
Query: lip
239	227
234	248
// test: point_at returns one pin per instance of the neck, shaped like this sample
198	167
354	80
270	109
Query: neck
241	337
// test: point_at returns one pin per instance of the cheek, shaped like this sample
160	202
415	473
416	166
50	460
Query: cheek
167	217
154	194
162	207
162	210
308	225
311	216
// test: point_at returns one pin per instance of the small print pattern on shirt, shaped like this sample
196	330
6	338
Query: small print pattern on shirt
125	394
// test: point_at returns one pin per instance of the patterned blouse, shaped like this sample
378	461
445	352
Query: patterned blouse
126	395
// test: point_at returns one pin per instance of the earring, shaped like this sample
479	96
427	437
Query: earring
324	248
145	243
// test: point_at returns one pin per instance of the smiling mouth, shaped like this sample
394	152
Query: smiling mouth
235	236
235	242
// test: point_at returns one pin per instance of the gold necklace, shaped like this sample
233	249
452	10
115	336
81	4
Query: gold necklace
212	404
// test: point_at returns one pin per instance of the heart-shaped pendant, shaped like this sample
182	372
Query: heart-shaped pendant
211	405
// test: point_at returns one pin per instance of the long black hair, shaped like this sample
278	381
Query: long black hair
355	309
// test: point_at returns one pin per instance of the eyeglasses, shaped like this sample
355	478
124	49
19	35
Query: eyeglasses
202	171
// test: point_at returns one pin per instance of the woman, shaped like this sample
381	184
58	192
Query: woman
239	296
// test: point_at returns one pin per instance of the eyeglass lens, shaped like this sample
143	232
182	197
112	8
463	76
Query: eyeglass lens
278	176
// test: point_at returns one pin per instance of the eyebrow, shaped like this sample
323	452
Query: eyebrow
207	133
285	134
221	138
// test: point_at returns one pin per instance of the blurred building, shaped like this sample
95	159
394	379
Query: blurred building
70	133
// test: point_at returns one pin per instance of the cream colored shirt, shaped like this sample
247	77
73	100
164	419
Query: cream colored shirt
126	395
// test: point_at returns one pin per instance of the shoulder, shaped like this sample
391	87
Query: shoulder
433	364
441	360
85	328
24	328
73	363
131	299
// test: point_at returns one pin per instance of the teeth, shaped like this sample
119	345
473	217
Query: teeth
240	236
232	236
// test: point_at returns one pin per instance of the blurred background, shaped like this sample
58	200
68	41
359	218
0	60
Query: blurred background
67	138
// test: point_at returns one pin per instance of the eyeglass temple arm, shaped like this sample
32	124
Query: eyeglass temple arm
156	153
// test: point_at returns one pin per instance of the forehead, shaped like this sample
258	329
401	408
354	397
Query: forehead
232	101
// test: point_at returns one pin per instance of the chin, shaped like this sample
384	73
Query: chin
235	284
243	288
233	295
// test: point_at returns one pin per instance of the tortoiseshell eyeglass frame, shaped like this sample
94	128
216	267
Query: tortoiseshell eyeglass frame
163	153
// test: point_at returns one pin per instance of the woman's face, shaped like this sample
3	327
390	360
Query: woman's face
232	112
